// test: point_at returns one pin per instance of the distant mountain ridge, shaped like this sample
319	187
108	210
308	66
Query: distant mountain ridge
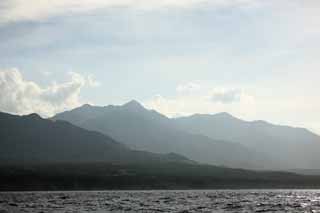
219	139
290	147
31	139
40	154
149	130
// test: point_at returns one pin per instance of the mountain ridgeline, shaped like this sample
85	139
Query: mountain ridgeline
288	147
219	139
42	154
148	130
32	140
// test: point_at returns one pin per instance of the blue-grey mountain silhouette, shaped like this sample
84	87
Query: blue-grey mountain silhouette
149	130
288	147
31	139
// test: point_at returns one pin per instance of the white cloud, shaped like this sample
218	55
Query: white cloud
259	104
203	99
188	87
19	10
170	107
92	81
20	96
226	96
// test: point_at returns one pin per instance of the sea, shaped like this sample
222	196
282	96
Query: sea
162	201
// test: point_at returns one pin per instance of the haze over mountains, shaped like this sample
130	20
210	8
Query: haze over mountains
219	139
112	133
148	130
43	154
289	147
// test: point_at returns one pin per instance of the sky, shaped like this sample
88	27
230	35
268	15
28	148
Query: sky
256	59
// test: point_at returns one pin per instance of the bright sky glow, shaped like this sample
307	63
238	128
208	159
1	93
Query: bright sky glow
255	59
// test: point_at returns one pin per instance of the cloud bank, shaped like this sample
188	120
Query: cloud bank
227	96
193	98
21	10
20	96
188	87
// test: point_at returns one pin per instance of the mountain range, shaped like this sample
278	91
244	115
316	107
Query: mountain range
132	133
149	130
218	139
52	154
288	147
31	139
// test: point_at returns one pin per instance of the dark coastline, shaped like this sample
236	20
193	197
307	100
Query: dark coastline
102	176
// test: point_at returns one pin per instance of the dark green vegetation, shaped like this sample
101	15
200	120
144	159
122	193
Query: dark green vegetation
99	176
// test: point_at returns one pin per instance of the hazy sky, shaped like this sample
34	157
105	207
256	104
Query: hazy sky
256	59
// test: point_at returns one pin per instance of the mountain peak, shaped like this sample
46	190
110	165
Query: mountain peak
86	105
84	108
224	114
133	104
33	116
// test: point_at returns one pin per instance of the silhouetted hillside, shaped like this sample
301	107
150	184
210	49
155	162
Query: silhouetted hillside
31	139
40	154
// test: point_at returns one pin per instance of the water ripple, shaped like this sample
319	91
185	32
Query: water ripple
162	201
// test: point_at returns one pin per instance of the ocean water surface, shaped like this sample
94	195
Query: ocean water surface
162	201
